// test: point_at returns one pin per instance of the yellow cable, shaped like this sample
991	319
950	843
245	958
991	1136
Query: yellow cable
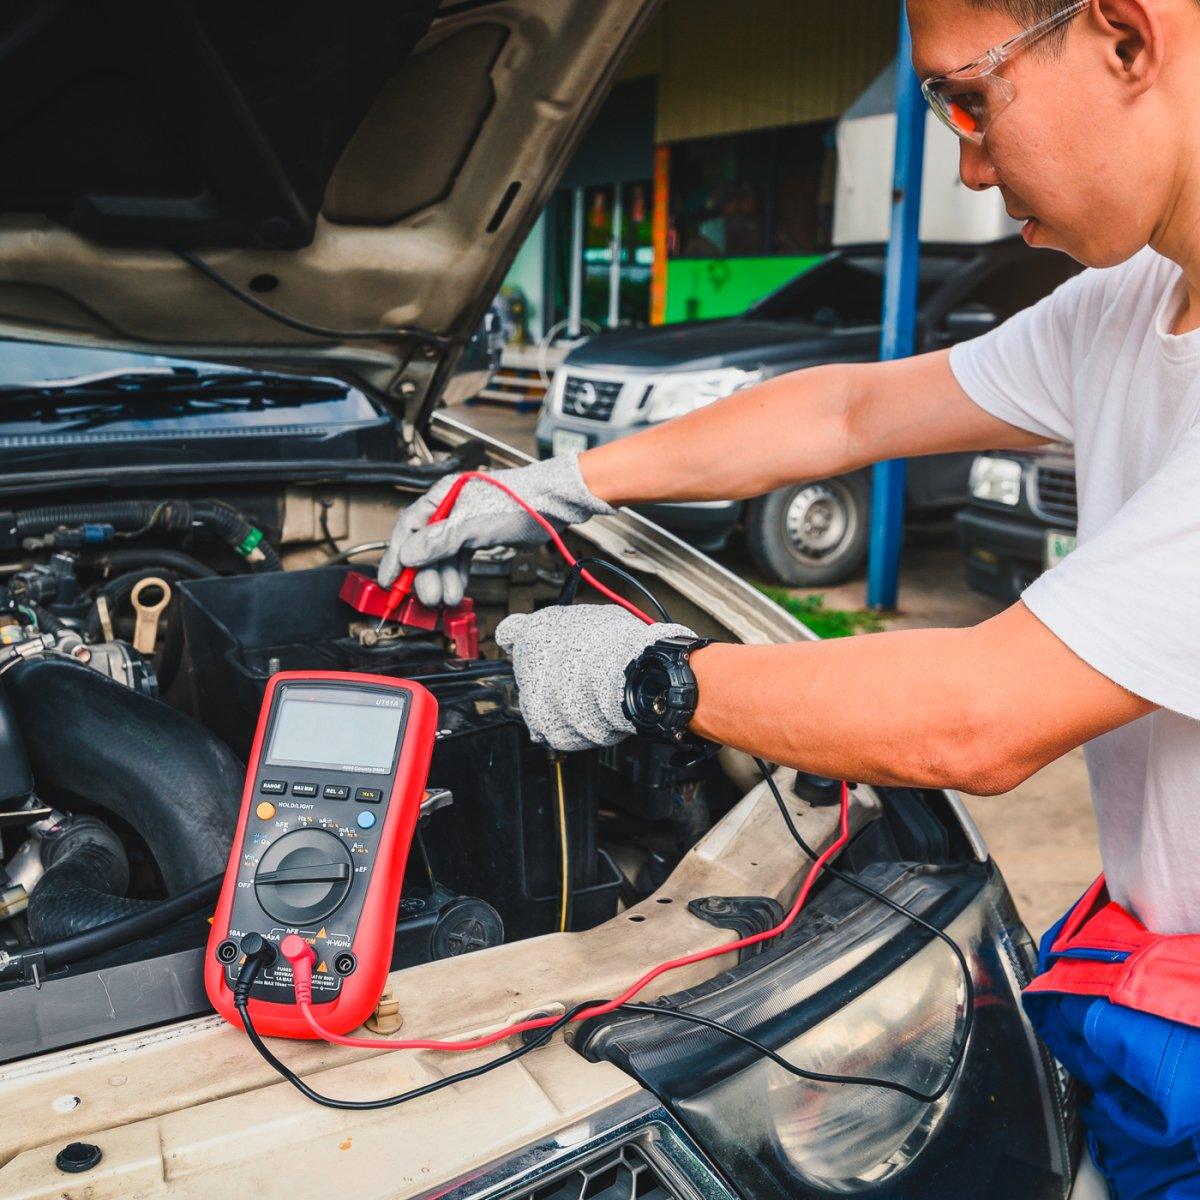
565	864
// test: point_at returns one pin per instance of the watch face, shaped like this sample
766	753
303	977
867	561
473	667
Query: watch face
650	694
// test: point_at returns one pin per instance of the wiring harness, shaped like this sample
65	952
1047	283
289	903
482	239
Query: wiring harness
72	526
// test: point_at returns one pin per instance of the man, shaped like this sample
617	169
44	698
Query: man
1086	115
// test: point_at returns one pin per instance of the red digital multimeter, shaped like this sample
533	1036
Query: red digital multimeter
333	790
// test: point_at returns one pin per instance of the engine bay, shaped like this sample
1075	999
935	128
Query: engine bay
137	637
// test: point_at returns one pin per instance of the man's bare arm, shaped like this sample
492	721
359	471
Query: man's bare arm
978	709
808	424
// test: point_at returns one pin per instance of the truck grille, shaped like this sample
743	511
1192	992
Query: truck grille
625	1174
1054	493
590	398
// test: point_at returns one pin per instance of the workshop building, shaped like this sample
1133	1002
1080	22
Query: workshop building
708	177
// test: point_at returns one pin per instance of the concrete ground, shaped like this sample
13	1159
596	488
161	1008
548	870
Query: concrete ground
1042	833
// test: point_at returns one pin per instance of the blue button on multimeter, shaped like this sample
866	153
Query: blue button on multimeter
366	820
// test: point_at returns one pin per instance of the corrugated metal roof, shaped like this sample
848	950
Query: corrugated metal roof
727	68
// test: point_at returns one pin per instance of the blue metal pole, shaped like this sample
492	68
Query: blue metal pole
899	315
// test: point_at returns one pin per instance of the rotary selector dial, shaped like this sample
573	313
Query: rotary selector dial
304	876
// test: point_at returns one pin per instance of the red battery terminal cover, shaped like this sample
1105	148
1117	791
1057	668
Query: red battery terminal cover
458	622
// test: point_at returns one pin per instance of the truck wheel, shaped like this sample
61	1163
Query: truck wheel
811	534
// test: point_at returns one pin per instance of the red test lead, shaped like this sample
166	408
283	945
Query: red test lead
304	960
403	584
300	954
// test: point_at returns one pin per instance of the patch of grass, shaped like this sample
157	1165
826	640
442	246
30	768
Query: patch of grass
824	622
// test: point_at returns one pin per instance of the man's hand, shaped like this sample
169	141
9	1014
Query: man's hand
483	516
570	668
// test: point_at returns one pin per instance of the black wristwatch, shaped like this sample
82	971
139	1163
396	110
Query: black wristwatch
661	693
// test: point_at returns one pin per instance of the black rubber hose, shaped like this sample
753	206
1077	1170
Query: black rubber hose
134	516
47	622
116	591
171	655
174	516
150	919
231	525
92	740
84	885
171	560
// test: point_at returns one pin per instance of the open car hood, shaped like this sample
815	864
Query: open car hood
367	169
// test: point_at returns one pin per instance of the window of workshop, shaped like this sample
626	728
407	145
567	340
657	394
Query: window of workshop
769	192
616	217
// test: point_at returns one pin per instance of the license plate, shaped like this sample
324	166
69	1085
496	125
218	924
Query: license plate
565	441
1058	546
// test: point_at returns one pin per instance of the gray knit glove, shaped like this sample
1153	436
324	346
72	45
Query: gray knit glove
570	668
483	516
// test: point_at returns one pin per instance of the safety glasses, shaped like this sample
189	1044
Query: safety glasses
968	100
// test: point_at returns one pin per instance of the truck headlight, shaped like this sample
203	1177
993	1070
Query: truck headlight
997	480
685	391
552	402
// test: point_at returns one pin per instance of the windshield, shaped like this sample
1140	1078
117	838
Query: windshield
55	395
847	290
40	362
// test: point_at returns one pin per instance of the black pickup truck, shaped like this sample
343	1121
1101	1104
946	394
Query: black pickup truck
1020	520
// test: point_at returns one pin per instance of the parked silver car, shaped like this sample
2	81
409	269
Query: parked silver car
814	533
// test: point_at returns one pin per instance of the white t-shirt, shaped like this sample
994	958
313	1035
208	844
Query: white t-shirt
1094	364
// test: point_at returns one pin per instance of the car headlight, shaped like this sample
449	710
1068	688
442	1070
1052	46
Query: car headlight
552	402
685	391
860	991
996	479
842	1137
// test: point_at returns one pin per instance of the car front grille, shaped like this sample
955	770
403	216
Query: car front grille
625	1174
593	399
1054	493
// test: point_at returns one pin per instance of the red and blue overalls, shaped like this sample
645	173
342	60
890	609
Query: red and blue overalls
1119	1007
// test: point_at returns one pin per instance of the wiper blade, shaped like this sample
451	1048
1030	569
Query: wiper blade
170	391
162	381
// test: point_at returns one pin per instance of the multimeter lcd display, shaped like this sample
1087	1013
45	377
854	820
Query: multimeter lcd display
355	735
